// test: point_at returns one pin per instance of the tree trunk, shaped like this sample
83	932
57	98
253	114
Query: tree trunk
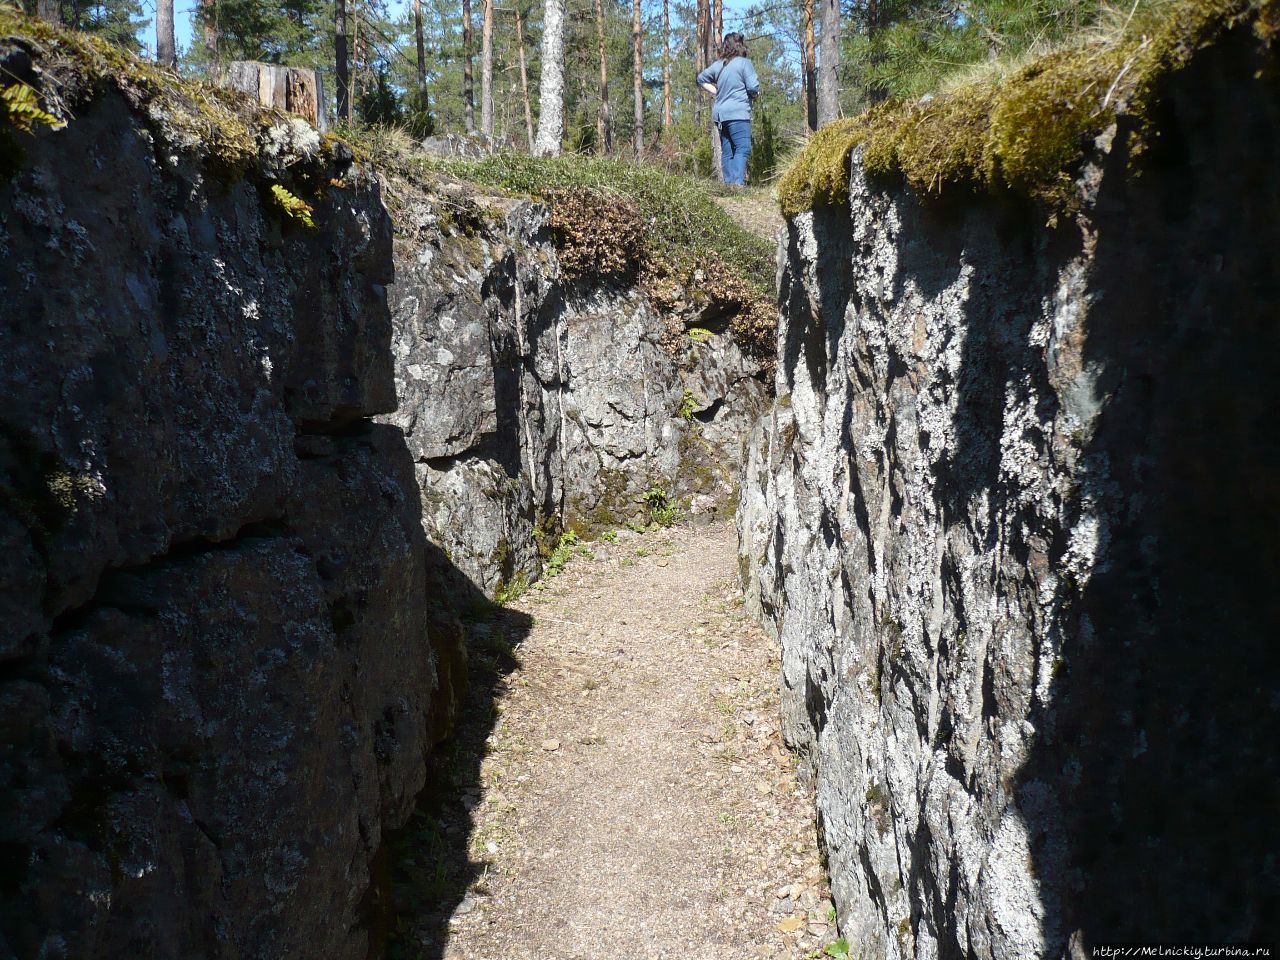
340	57
637	69
666	64
420	44
524	78
166	47
289	89
486	70
468	83
829	62
210	18
355	55
551	117
809	61
604	132
715	18
699	58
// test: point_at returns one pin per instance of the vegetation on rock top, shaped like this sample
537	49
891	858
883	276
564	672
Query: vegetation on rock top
1027	131
230	133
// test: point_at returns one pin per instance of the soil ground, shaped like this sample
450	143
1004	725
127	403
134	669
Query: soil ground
619	787
754	208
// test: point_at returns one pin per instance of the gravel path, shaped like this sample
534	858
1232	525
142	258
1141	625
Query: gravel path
626	793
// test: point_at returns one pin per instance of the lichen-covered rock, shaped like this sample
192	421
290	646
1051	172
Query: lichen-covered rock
535	403
220	673
1012	519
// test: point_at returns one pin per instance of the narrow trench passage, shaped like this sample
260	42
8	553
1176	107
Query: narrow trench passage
618	786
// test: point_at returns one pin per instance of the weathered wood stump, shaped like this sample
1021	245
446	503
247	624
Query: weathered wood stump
292	89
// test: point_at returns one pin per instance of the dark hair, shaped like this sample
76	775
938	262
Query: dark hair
733	45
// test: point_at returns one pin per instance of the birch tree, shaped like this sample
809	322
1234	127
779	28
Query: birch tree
604	134
486	70
551	116
637	68
666	65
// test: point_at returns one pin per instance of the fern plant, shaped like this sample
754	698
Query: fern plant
294	207
22	109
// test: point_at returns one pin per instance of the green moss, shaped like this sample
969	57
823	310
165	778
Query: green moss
1028	132
1042	119
947	142
219	127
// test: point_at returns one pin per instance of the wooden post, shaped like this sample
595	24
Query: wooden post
291	89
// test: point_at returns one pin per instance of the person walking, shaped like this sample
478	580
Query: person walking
732	80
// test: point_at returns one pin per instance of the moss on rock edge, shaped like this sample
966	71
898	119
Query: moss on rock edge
1029	131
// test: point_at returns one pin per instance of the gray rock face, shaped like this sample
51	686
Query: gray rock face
531	404
1012	520
218	665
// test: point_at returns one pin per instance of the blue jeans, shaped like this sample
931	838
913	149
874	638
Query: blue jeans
735	148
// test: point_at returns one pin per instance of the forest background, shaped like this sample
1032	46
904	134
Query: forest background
878	49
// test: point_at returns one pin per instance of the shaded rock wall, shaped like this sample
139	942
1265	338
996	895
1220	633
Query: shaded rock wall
533	404
219	670
1012	518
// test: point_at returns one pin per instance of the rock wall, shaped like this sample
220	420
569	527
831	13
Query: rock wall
220	670
1013	518
534	404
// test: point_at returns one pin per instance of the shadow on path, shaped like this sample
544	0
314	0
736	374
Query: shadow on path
426	868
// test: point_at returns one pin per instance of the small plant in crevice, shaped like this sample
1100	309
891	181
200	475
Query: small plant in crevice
511	590
689	404
663	511
561	554
294	207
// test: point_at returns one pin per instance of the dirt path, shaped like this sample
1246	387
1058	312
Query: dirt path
755	209
628	794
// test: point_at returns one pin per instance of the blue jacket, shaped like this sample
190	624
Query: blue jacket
736	86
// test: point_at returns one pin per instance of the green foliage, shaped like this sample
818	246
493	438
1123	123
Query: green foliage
609	536
609	217
663	511
689	403
560	555
20	106
681	221
116	21
419	121
293	207
904	48
700	334
838	949
294	32
20	112
379	102
1027	131
509	591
